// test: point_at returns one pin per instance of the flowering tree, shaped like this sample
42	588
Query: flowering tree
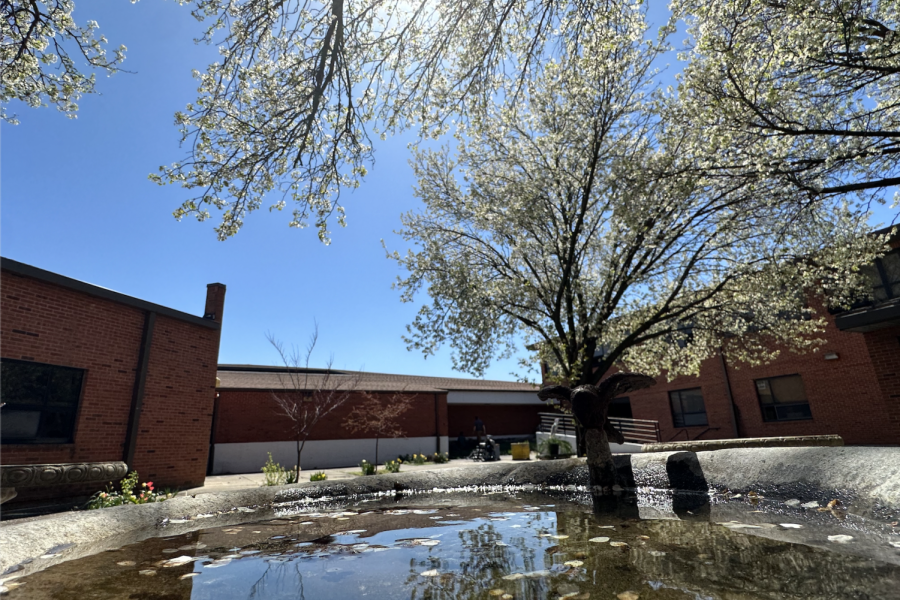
572	220
789	96
309	395
799	96
379	418
38	34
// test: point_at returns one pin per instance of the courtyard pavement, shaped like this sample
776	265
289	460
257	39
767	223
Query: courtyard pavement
220	483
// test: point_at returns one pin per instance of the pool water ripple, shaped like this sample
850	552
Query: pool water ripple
509	549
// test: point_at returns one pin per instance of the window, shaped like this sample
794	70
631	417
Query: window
620	408
688	409
41	402
783	398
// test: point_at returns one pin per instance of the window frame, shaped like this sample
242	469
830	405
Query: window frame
775	405
684	425
44	408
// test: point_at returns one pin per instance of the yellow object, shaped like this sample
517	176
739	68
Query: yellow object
521	451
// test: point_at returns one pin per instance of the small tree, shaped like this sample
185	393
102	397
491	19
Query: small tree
309	395
379	419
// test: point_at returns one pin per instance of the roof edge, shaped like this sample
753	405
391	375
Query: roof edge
19	268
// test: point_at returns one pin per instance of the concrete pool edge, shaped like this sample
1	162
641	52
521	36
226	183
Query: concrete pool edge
868	475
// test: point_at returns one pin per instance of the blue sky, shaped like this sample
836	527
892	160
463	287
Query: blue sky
76	201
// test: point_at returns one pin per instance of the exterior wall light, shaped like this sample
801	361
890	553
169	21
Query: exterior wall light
832	356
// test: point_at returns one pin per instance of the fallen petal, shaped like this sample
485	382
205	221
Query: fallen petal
180	560
840	539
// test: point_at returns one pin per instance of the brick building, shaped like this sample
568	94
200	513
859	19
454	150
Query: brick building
849	387
92	375
247	423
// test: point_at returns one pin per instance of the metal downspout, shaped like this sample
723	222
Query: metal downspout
734	422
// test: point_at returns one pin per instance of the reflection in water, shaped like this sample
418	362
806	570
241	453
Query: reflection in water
526	552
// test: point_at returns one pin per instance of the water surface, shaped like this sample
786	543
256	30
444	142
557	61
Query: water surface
507	549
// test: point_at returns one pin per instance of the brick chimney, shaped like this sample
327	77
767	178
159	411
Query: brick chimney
215	302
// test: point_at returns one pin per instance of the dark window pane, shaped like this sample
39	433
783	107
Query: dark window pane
764	391
783	398
694	419
793	412
688	409
692	401
19	424
23	383
620	408
788	390
41	402
64	387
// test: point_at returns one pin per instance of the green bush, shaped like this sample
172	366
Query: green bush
544	447
127	495
440	458
318	476
292	475
274	473
393	466
366	467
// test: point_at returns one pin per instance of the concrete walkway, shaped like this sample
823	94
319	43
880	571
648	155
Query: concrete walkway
220	483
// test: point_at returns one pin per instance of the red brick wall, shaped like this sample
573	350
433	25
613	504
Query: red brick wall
499	419
244	416
53	324
173	438
884	349
846	396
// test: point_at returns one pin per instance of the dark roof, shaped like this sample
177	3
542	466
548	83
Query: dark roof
259	377
14	266
870	318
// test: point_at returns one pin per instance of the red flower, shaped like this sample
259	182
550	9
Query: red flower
150	485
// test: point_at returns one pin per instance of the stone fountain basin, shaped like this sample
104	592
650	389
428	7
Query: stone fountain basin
865	479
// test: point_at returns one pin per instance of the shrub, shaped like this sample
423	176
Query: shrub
274	473
393	466
419	459
367	467
318	476
440	458
110	497
292	475
544	447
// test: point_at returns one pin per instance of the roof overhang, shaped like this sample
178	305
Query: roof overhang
870	319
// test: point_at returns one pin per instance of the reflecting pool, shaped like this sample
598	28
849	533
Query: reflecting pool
510	548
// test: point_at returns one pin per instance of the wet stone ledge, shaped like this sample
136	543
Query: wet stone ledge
865	478
786	441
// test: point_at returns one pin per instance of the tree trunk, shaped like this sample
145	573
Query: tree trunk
300	445
600	463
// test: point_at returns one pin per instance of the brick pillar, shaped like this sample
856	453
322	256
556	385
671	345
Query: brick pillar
215	302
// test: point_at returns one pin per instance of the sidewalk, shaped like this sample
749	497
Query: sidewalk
221	483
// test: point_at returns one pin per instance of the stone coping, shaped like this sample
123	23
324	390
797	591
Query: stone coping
865	478
785	441
21	476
